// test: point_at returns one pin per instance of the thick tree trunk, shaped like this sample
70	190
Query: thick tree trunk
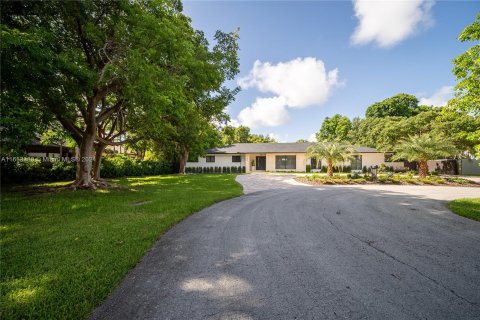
85	161
330	168
99	148
183	160
422	169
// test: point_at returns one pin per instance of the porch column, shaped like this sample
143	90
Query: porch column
247	163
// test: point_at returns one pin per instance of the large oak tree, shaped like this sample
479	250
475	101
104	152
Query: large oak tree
102	68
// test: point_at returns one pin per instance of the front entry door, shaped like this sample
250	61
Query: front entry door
261	163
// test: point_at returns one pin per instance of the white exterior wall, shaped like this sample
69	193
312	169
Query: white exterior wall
372	159
225	160
221	160
395	165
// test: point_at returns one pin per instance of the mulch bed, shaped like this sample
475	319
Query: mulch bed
320	182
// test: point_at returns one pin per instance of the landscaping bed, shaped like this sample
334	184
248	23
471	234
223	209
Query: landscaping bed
400	179
63	252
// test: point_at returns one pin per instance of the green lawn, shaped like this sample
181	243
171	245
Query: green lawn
63	253
469	208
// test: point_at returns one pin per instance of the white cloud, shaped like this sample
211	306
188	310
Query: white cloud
233	123
312	137
301	82
296	83
264	112
389	22
439	98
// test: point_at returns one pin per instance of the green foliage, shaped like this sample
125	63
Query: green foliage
230	135
400	105
385	133
308	168
334	152
335	128
232	169
425	147
467	72
35	170
134	65
119	166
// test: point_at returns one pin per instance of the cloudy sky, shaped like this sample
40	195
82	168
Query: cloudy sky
304	61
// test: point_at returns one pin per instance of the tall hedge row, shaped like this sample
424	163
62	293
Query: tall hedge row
35	170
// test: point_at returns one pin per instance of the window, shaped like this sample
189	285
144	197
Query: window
210	158
285	162
313	162
356	163
236	159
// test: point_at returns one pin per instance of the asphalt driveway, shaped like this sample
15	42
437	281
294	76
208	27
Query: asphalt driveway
288	251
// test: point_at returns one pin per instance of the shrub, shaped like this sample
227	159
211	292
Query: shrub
243	169
355	175
35	170
308	168
364	169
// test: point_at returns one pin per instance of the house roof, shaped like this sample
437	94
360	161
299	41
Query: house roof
273	148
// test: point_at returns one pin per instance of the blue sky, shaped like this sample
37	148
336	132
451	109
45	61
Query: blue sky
318	58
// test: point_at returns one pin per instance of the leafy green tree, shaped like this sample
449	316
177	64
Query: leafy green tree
332	152
188	124
103	67
260	138
400	105
424	147
301	141
334	128
241	134
467	71
385	133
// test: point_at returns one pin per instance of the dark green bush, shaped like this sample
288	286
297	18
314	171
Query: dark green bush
308	168
34	170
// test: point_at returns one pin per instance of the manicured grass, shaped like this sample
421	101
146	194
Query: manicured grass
468	208
63	253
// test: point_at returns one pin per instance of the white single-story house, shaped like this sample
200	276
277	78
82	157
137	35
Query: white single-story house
282	157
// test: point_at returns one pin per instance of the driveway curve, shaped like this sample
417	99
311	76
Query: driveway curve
288	251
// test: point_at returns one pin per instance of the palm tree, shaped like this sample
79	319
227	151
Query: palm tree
424	147
333	152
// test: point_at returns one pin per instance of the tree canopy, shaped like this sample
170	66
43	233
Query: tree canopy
400	105
385	133
103	69
467	71
334	128
241	134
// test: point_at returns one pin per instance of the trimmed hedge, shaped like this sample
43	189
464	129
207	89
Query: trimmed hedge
215	169
35	170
